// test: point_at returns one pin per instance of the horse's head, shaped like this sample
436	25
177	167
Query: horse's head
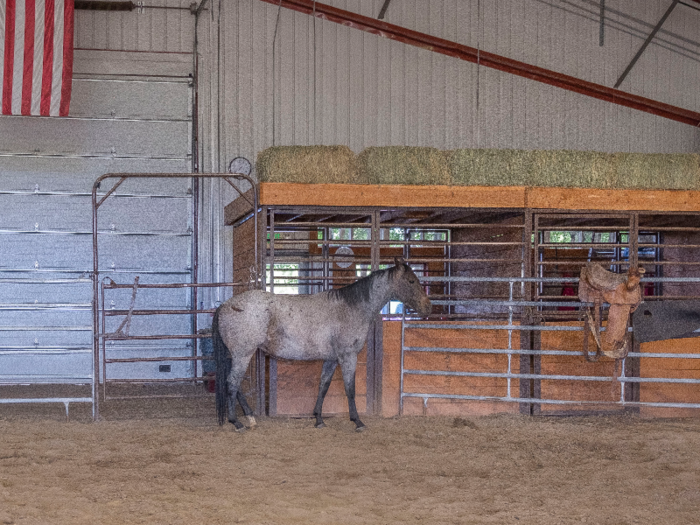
408	289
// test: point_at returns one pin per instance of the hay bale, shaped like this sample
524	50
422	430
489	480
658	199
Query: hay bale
308	165
404	165
490	167
657	171
572	169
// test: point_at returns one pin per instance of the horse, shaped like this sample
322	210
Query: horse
331	326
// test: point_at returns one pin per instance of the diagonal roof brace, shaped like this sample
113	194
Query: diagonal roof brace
491	60
646	43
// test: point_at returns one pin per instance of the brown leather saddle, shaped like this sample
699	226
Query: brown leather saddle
623	292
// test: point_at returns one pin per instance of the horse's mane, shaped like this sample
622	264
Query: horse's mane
359	291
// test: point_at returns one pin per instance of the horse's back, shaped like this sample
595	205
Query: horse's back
303	327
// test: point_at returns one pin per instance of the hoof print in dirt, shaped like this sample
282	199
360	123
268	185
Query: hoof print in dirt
459	423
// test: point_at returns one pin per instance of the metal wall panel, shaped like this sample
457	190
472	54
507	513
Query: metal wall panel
164	26
330	84
131	112
293	80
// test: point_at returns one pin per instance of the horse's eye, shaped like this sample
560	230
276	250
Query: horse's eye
412	281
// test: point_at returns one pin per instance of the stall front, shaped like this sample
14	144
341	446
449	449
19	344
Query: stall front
501	265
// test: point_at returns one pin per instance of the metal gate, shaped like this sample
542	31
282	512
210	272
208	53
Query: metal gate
146	323
514	331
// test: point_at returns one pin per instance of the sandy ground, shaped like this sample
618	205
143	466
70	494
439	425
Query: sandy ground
176	466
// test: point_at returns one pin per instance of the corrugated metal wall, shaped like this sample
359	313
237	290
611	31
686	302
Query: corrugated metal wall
277	77
130	112
287	79
322	83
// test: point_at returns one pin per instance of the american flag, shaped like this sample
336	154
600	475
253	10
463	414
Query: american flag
36	56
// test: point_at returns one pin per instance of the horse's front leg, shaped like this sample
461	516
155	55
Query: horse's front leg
326	376
348	363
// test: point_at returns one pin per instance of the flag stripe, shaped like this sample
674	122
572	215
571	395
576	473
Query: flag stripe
28	58
56	77
48	59
2	51
36	56
67	77
18	61
8	57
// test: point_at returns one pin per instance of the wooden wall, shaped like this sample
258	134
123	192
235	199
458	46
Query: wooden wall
297	388
575	391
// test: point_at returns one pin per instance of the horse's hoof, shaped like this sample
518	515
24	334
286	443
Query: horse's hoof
251	422
237	426
360	428
320	425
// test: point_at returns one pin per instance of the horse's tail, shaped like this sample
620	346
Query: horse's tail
223	368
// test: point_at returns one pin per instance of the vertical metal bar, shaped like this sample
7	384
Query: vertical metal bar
378	372
378	325
325	254
375	234
510	335
256	233
194	296
631	365
273	386
448	240
103	346
95	309
272	250
622	382
633	240
526	391
263	246
403	345
260	382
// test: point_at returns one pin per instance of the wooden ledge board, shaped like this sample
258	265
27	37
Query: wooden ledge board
402	196
389	195
612	200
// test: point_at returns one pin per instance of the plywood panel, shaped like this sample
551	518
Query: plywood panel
297	388
670	368
447	338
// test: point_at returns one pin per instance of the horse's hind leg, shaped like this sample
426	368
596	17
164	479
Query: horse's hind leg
246	409
238	369
326	376
348	363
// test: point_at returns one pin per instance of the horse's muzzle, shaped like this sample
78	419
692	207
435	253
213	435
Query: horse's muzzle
425	307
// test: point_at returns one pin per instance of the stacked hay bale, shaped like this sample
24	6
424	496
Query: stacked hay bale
490	167
573	169
479	167
404	165
308	165
647	171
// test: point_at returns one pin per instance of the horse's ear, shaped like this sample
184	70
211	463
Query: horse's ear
399	261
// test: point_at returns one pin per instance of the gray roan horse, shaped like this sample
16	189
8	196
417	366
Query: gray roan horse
331	326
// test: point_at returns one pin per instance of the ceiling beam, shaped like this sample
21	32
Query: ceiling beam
491	60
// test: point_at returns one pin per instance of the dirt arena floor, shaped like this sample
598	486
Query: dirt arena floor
169	463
